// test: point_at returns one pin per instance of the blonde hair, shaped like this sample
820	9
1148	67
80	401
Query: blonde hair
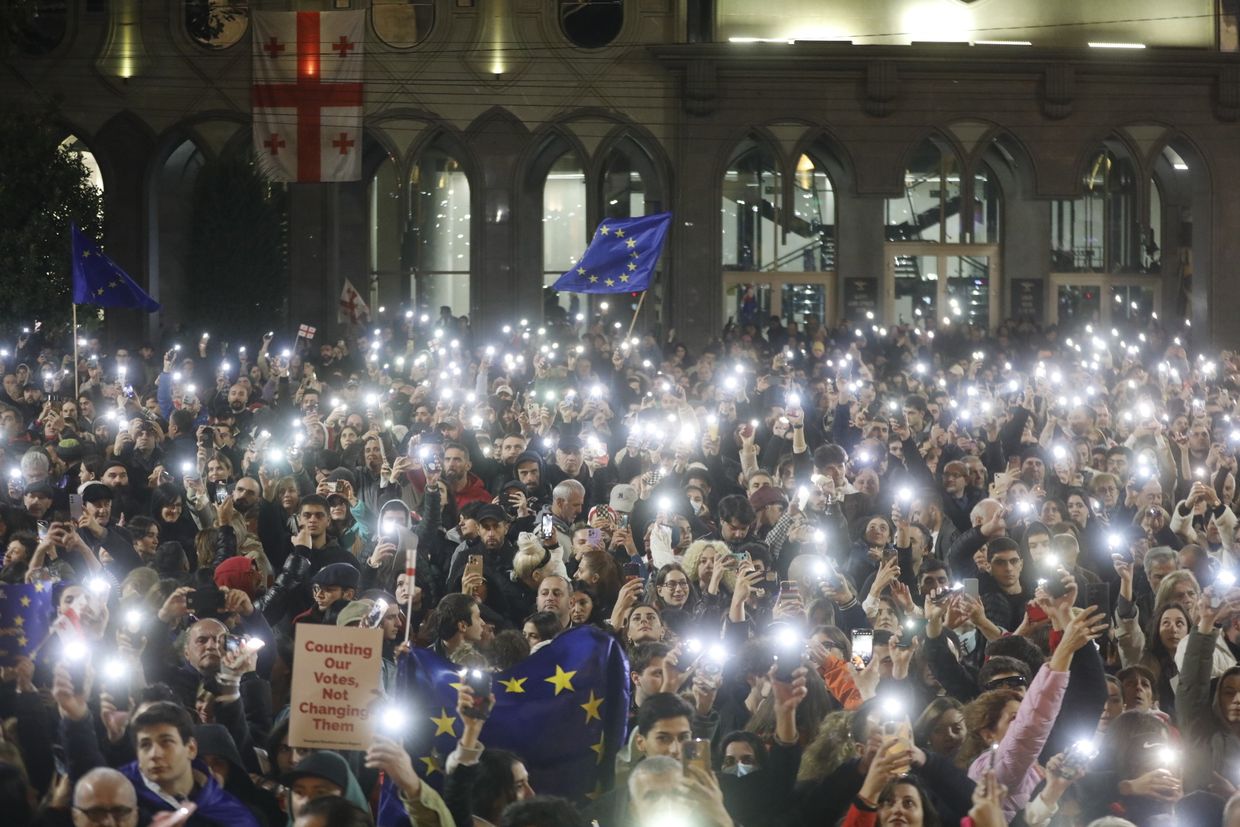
692	561
529	558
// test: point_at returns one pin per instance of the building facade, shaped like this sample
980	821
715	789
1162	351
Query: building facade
918	161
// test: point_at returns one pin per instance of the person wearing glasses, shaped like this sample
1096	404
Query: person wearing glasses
104	796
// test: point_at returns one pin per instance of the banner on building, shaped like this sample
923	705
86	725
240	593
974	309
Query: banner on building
307	95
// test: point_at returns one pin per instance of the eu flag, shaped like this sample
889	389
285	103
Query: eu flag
621	256
99	280
563	710
25	617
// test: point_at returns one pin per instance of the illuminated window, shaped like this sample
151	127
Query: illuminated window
564	221
759	233
591	24
216	24
402	23
439	226
1098	232
929	209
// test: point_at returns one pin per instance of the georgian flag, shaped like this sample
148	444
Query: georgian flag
307	95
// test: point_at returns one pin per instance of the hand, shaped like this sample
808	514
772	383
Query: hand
114	720
673	675
1161	784
22	671
472	583
1080	630
987	810
884	769
704	693
902	596
226	510
382	553
71	701
901	656
390	757
176	606
303	538
238	601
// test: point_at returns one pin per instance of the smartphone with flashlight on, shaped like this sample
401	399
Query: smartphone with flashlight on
863	645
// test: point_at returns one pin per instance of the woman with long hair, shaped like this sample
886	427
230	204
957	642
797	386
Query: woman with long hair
941	727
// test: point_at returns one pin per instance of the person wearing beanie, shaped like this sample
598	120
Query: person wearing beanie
239	573
768	504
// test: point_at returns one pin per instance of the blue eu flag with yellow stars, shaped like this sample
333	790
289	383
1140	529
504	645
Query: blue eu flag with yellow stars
25	617
563	711
100	281
621	256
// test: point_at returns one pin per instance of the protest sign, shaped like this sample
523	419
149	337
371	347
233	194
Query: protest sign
335	686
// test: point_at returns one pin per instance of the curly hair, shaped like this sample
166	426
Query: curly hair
981	713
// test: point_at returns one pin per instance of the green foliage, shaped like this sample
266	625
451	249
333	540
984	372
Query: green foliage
237	255
43	189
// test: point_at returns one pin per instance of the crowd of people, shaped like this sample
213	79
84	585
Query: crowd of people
863	575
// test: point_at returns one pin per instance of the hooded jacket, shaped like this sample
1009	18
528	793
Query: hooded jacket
216	806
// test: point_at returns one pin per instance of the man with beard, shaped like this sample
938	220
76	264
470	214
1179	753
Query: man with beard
465	486
496	551
112	545
569	463
373	477
237	403
115	475
141	457
510	447
528	470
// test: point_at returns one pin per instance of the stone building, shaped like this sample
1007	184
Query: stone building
926	161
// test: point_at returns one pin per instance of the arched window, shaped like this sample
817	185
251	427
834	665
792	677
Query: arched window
591	24
782	226
943	231
216	24
440	229
623	187
1100	244
929	208
564	222
173	217
752	197
40	26
78	150
402	23
1095	233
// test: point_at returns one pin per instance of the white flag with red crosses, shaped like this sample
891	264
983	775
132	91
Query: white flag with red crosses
307	95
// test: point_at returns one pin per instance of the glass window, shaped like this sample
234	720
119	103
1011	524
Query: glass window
751	198
1097	233
809	243
968	290
402	23
1132	303
758	234
748	304
564	222
78	150
216	24
439	225
591	24
1151	245
916	289
1079	304
623	191
39	27
801	302
986	202
929	209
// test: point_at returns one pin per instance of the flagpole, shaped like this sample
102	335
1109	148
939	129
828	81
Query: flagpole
636	313
75	353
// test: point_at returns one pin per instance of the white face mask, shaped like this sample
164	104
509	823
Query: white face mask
740	770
